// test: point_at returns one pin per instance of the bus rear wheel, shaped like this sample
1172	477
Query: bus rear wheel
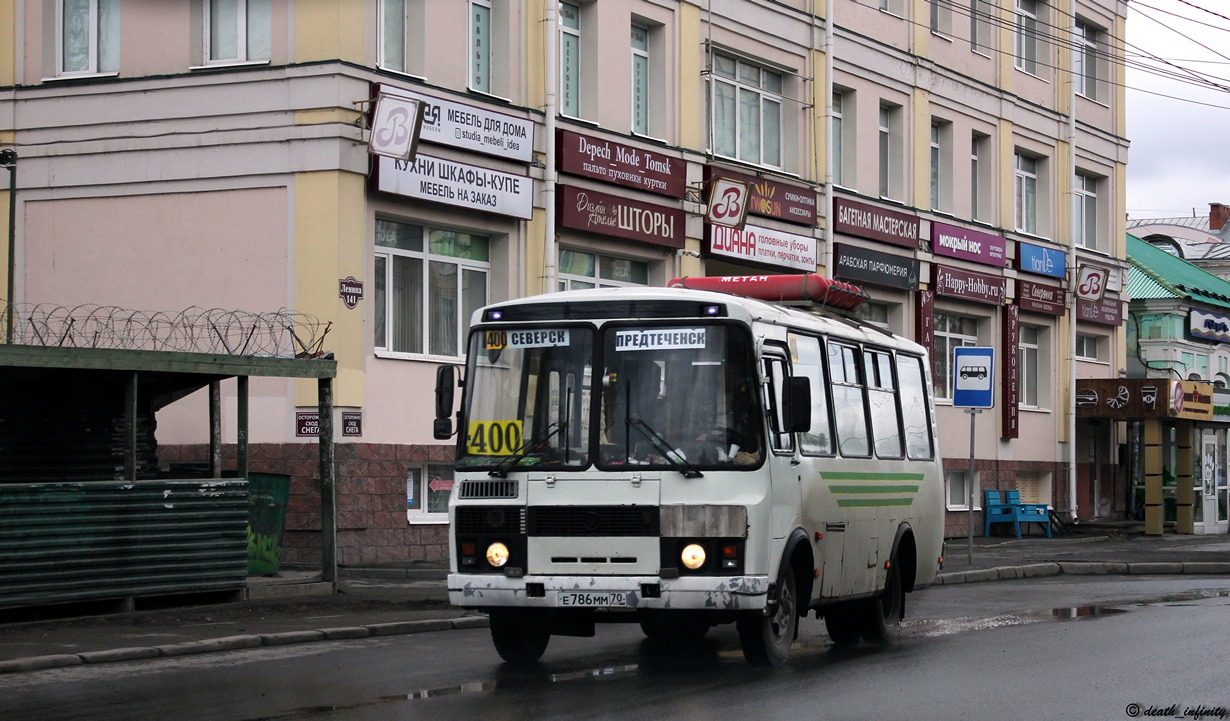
519	637
766	640
882	615
844	622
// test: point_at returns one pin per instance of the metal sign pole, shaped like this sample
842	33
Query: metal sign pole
969	482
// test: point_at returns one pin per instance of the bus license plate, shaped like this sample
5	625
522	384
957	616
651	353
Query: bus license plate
590	599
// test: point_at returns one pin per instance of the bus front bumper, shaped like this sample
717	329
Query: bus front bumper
716	593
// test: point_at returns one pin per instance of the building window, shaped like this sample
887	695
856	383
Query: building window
427	490
392	48
746	102
88	37
1026	36
983	17
889	150
951	331
1085	59
874	313
1029	369
941	166
428	283
1025	193
838	139
640	79
570	59
580	271
1088	347
941	16
891	6
1085	211
958	490
237	31
979	175
480	45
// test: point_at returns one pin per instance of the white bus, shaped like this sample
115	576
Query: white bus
685	458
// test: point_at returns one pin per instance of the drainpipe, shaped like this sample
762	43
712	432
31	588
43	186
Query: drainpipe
829	236
1072	270
8	160
550	177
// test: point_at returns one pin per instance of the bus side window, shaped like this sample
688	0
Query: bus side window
882	404
848	403
918	441
780	439
808	360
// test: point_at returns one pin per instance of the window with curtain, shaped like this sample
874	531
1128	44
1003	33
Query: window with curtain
1025	193
1085	59
839	99
580	270
428	283
1030	376
392	47
951	331
237	31
1085	208
746	111
640	79
88	37
1026	36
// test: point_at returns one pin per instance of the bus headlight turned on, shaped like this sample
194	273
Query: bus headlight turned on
693	556
497	554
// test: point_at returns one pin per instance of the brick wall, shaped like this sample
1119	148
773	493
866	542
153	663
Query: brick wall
1001	475
371	499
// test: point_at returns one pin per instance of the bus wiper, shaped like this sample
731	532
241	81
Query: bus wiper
507	462
672	456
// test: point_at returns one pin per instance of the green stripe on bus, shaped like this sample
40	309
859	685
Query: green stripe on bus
874	489
853	476
874	502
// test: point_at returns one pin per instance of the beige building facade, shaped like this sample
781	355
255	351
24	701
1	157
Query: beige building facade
961	161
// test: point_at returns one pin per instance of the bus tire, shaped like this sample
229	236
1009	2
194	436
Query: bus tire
766	640
844	622
519	637
882	614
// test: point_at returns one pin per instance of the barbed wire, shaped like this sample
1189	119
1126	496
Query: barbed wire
281	333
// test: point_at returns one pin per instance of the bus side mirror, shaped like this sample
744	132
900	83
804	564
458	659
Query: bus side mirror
446	381
798	408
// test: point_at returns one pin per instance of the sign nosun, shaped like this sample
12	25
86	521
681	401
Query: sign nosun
350	290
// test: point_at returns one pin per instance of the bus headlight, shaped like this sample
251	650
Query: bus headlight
693	556
497	554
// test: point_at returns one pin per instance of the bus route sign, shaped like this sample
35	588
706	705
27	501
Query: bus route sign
973	377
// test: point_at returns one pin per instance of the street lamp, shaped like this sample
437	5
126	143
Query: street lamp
8	160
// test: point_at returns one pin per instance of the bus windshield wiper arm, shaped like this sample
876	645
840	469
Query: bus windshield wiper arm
507	462
672	456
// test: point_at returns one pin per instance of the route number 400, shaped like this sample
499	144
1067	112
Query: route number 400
494	438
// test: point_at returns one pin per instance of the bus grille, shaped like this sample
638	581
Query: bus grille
593	521
494	488
479	520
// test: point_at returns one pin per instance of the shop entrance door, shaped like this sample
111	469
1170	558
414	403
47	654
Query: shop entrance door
1212	479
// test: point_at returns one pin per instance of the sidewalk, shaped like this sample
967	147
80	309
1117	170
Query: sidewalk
295	607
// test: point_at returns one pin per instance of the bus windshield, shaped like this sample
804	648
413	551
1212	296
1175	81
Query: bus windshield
528	399
678	396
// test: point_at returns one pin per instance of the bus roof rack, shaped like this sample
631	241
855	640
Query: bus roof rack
801	289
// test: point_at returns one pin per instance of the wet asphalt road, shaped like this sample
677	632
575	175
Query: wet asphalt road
1075	648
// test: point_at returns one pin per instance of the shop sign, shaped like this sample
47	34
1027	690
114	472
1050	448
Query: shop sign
350	290
727	203
958	283
763	245
1108	311
1124	398
1210	326
619	217
307	423
1041	261
924	323
1009	420
1091	282
613	162
397	123
459	184
791	203
1221	405
872	266
967	244
868	221
1040	298
352	423
472	128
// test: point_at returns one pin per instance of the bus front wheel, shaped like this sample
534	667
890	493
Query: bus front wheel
766	640
519	637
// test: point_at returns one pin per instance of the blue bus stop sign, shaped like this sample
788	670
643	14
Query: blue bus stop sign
973	377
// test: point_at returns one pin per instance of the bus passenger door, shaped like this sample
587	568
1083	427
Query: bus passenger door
783	471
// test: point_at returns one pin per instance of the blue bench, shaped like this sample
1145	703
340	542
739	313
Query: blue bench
1011	510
